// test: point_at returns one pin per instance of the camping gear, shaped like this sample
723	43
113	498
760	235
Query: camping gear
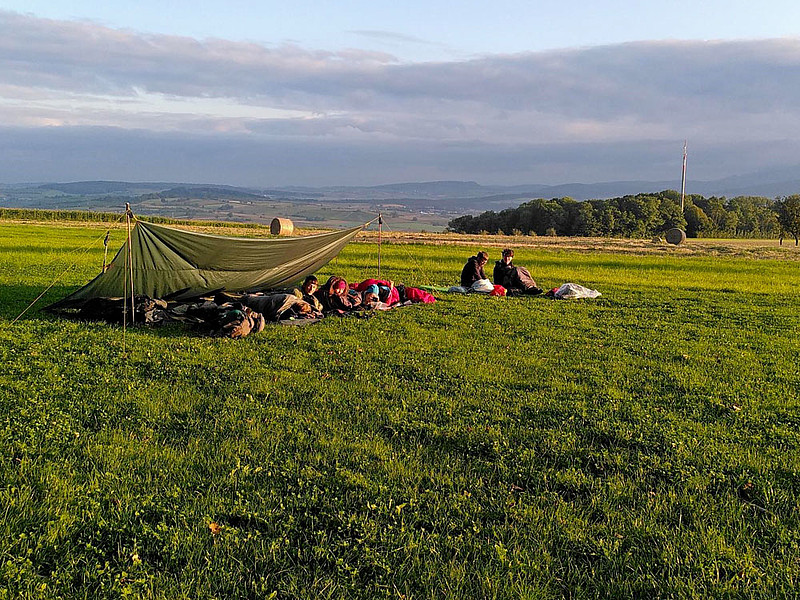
163	262
483	286
573	290
417	295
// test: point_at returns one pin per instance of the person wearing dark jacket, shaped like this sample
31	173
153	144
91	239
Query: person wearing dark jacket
307	290
516	280
473	270
335	297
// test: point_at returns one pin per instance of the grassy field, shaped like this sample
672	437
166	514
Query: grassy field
642	445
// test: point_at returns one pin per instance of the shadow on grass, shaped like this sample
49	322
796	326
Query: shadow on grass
14	299
20	303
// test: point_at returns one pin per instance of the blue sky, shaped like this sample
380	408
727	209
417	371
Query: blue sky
426	30
310	93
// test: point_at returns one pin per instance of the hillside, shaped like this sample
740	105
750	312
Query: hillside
411	206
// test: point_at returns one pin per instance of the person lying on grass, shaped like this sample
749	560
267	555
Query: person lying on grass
378	290
336	298
516	280
306	292
275	306
385	292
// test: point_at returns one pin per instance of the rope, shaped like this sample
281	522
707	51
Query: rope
413	259
84	250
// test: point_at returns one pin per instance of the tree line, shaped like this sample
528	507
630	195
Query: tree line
44	214
642	215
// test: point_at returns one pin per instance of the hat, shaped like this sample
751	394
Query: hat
373	289
340	285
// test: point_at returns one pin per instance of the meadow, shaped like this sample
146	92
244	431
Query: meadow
645	444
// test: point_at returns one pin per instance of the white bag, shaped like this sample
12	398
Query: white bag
573	290
484	286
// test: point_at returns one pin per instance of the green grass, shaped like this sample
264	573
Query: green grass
644	444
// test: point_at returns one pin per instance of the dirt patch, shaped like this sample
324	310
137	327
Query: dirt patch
740	248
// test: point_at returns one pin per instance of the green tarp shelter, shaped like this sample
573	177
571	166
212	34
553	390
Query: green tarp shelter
176	264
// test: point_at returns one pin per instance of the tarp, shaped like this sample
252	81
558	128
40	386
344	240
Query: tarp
179	264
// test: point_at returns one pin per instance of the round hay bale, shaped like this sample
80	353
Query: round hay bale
676	236
281	226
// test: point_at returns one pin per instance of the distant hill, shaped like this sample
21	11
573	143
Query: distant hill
317	204
205	192
86	188
452	189
776	182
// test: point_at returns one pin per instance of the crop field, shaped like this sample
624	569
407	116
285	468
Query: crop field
645	444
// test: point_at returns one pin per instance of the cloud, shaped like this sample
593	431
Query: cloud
111	153
393	37
583	103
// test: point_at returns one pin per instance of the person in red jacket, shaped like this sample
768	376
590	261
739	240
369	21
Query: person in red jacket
387	293
378	290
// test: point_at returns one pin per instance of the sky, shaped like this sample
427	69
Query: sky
362	93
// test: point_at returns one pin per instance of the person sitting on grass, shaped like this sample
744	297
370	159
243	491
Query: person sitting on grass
473	270
516	280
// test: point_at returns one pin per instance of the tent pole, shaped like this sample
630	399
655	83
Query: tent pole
380	232
105	250
124	299
128	215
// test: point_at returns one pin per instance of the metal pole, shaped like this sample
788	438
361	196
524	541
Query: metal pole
380	233
683	176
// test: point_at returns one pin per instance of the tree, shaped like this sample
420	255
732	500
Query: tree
670	213
586	223
789	216
697	222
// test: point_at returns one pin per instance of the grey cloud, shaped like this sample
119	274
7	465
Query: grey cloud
526	116
79	153
391	36
598	82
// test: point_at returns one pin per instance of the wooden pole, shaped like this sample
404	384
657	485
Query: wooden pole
128	216
105	251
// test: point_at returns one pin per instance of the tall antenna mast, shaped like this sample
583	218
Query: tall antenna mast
683	176
380	231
